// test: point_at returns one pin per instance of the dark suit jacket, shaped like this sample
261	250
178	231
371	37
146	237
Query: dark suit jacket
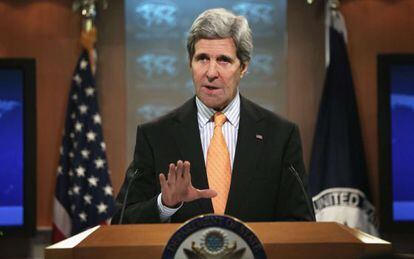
262	189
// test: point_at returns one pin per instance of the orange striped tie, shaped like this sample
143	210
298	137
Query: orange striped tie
218	165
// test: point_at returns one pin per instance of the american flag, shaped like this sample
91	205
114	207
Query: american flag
84	195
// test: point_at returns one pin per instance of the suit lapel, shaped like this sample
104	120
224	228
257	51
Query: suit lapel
187	137
249	145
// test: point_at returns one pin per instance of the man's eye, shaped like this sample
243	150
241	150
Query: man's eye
224	60
201	58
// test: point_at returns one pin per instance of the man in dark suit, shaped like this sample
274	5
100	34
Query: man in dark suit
219	152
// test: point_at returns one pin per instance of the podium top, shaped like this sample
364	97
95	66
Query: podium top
288	238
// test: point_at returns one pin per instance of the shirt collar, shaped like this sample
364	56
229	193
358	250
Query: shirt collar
232	111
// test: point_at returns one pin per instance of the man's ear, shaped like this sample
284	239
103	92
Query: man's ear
244	68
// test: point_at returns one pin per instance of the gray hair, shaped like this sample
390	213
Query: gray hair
220	23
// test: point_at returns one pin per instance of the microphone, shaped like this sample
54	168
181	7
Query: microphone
134	175
305	194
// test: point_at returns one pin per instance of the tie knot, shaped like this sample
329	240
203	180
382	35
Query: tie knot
219	119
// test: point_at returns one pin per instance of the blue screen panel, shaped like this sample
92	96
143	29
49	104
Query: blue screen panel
11	147
402	133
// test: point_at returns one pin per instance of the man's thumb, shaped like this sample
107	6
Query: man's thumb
207	193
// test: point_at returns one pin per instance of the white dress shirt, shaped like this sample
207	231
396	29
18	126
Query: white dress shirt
206	126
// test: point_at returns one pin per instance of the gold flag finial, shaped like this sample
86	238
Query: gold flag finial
88	10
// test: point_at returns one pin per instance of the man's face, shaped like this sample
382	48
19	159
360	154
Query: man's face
216	72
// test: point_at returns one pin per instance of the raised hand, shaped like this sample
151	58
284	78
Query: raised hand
178	188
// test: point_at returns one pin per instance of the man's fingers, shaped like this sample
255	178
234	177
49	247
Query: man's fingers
163	181
207	193
179	169
171	174
186	174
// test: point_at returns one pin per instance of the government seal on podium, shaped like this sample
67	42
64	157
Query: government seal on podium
214	236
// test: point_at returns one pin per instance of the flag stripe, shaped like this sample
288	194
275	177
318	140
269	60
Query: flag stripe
61	218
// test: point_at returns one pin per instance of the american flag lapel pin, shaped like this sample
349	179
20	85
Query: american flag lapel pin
258	136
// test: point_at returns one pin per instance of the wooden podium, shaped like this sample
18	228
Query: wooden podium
280	240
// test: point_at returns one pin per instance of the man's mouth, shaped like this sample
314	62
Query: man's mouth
211	87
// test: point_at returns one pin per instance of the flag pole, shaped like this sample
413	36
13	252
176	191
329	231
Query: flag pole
88	11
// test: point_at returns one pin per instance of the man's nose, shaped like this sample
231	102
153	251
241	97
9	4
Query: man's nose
212	72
